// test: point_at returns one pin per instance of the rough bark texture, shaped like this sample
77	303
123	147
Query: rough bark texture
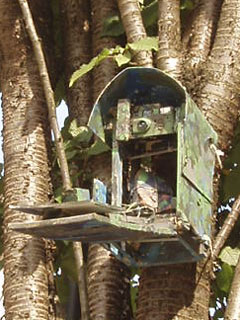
107	285
169	57
233	306
134	28
107	69
170	293
202	31
26	168
77	50
219	98
198	40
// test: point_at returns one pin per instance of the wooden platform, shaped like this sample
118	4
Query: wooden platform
89	221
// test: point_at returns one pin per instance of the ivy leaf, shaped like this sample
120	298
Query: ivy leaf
122	59
85	68
148	43
230	255
224	277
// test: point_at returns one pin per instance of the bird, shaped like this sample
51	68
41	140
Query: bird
151	191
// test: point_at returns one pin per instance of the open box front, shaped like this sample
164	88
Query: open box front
196	160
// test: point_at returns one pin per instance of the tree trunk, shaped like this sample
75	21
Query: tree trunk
106	286
103	73
26	168
219	97
169	58
134	28
203	31
170	293
77	50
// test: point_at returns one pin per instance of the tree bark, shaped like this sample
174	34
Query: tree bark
134	28
107	69
26	168
106	286
77	50
203	31
169	57
233	306
170	293
219	96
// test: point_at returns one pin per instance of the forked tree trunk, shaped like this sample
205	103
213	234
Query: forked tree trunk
26	168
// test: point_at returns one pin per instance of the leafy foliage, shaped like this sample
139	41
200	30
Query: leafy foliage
230	255
121	55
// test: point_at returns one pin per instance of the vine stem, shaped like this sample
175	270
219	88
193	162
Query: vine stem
49	95
226	228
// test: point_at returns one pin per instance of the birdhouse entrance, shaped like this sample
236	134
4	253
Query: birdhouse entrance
158	210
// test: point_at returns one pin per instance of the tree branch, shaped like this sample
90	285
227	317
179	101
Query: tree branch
226	228
233	306
169	56
49	95
135	30
78	253
202	31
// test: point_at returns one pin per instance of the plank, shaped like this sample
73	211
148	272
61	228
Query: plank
93	227
70	208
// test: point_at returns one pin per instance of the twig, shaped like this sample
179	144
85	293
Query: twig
49	95
226	228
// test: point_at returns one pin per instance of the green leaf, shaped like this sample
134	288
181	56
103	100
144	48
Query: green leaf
231	183
224	277
62	284
187	5
112	27
96	148
68	264
85	68
148	43
219	314
230	255
81	133
58	194
150	14
71	154
59	92
122	59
